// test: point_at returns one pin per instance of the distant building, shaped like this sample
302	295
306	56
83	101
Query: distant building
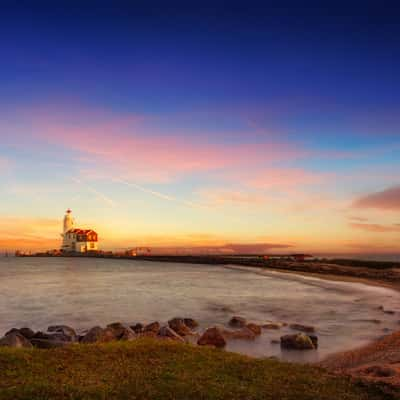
75	239
138	251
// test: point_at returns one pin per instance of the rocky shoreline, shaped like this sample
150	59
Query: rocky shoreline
185	330
378	361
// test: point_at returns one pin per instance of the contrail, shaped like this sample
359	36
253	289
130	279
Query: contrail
100	195
160	195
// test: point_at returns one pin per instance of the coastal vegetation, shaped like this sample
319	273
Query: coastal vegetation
154	369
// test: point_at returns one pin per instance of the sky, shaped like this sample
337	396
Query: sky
248	127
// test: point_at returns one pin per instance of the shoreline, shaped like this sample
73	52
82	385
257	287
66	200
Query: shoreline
388	276
372	358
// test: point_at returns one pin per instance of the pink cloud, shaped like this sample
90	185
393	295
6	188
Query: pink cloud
125	145
157	156
378	228
388	199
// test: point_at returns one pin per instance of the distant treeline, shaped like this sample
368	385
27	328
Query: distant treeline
363	263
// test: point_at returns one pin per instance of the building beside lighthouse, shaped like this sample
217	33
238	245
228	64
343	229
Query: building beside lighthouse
75	239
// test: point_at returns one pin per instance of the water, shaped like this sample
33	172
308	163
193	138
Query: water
38	292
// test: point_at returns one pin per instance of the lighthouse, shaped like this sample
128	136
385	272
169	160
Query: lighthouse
68	221
77	240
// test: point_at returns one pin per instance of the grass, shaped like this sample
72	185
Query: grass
149	369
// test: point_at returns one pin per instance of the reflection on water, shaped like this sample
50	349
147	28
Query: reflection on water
37	292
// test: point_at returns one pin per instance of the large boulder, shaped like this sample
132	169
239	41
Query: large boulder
137	327
190	323
302	328
212	337
298	341
53	336
167	332
179	326
15	339
65	330
256	329
153	327
237	322
98	334
117	328
128	335
26	332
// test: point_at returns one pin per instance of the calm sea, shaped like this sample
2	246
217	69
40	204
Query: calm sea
38	292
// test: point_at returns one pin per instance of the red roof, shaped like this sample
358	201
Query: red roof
81	231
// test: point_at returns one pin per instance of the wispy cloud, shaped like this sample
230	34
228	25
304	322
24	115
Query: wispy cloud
159	194
101	196
388	199
378	228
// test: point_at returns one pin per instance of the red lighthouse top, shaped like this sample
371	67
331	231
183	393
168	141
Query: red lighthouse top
69	211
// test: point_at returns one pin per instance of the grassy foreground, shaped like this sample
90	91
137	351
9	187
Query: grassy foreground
149	369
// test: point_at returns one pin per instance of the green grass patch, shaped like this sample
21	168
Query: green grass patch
150	369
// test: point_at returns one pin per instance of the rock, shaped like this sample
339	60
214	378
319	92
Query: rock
179	326
98	334
15	339
128	335
314	340
137	327
190	323
117	328
298	341
65	330
212	337
167	332
49	343
92	335
108	335
237	322
154	327
272	325
302	328
26	332
380	371
256	329
243	333
41	335
53	336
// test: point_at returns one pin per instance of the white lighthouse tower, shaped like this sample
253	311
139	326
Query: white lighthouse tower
77	240
68	226
68	221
